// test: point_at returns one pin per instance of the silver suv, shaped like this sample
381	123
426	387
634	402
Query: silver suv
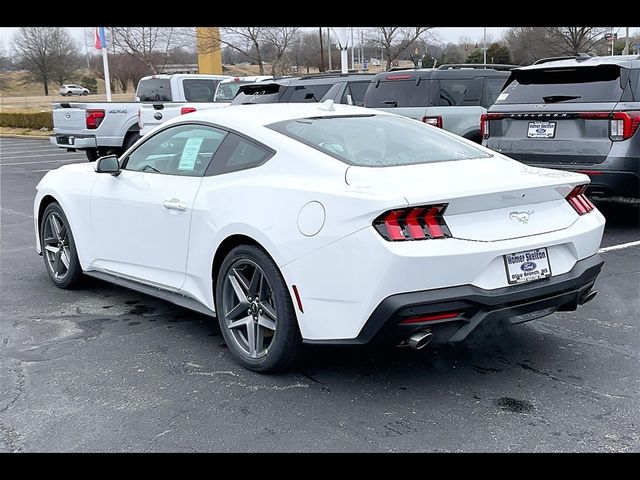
72	89
452	97
574	113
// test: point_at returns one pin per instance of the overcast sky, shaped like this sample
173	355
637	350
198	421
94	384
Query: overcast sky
448	34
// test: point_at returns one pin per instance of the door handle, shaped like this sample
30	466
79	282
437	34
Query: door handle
174	204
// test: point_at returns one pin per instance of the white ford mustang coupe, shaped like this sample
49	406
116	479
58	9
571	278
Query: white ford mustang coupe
323	224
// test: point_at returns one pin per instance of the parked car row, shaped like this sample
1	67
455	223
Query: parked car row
572	113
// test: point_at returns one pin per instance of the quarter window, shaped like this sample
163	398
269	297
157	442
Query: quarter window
184	150
237	153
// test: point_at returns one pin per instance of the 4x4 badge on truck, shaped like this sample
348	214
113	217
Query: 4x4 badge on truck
522	217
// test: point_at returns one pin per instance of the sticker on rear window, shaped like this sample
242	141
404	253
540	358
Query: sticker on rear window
190	154
501	97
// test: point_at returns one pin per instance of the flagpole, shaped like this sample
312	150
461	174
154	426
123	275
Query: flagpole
107	81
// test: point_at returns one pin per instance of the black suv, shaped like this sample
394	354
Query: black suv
574	113
347	88
452	97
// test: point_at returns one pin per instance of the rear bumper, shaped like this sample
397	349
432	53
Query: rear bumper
73	141
509	305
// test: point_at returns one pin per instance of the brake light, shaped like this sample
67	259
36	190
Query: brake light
484	122
94	118
579	201
623	125
184	110
397	77
435	121
139	117
413	223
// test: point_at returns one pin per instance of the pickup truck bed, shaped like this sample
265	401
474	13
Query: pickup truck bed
97	128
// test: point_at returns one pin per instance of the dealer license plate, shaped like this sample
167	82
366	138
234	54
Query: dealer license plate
541	130
527	266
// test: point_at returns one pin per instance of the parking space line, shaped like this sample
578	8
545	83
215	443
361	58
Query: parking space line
41	161
36	156
619	247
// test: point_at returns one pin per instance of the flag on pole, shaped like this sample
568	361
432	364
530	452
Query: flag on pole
101	38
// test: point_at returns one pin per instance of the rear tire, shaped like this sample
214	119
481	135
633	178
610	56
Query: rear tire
255	311
59	248
130	139
92	154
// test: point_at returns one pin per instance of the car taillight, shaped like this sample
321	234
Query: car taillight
435	121
484	122
184	110
94	118
413	223
623	125
579	201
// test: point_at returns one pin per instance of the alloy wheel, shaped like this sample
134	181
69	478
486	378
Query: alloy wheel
56	245
249	308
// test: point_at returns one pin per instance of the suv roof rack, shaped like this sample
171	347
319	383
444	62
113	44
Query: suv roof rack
484	66
579	57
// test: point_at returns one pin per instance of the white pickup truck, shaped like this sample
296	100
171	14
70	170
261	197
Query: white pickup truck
103	128
202	95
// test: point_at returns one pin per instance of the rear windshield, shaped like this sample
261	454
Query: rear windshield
154	90
397	93
377	140
264	93
564	85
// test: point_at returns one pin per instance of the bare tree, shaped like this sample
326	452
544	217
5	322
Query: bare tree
528	44
395	40
574	40
46	53
245	40
280	40
152	46
123	70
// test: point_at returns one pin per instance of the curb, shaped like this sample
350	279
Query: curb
18	135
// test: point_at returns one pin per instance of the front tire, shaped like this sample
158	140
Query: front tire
59	248
255	311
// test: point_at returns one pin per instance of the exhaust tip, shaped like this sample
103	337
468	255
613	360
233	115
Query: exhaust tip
587	297
419	340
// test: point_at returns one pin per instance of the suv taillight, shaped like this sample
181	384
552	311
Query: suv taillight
184	110
94	118
579	201
484	122
435	121
623	125
413	223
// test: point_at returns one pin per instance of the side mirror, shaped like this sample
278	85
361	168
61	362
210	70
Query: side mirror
108	164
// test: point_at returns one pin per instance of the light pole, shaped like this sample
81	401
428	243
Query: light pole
484	45
329	46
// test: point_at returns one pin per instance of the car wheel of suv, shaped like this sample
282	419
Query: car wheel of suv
255	311
59	248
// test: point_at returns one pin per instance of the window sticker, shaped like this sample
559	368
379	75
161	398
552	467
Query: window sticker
190	154
501	97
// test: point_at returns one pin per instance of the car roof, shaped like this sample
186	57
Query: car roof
258	115
625	61
322	79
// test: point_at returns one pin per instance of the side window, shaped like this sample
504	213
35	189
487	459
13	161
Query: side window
354	93
181	150
199	90
492	88
237	153
308	93
464	91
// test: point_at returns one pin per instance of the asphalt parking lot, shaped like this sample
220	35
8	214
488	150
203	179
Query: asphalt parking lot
106	369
